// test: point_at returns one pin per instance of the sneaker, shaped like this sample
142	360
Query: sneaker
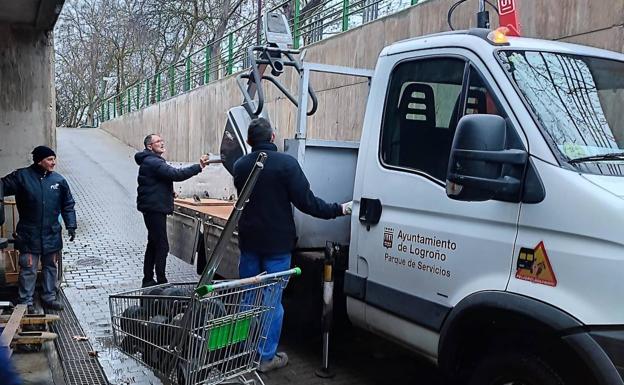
277	362
53	305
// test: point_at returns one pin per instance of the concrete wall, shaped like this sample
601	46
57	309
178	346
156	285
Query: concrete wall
193	123
27	98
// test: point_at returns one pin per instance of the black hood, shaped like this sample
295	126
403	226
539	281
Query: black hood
139	157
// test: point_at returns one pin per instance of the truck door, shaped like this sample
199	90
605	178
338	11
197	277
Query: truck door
426	252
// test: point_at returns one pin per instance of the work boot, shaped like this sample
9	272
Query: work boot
277	362
53	305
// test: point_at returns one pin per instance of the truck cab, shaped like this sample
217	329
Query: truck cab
488	202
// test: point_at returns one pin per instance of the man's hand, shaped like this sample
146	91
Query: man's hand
72	234
203	161
347	207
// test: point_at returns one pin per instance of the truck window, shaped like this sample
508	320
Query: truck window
577	102
419	113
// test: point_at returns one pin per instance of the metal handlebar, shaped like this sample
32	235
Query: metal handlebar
255	77
205	289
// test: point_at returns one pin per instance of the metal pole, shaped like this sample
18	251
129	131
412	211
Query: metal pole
219	250
129	97
138	96
230	65
187	80
207	65
345	15
147	92
296	22
171	81
483	16
158	94
328	307
258	20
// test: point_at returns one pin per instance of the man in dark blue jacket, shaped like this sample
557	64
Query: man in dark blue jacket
41	195
266	229
155	201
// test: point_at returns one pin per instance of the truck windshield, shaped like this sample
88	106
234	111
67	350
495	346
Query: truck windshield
578	102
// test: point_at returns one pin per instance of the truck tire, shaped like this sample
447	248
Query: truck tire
516	368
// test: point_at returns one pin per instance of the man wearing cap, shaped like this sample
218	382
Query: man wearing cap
41	196
155	201
266	229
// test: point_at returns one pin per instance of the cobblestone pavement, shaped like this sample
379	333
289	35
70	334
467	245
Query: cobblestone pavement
107	256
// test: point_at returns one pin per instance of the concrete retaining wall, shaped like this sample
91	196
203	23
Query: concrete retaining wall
193	123
27	98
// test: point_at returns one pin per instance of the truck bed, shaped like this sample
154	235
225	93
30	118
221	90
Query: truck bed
206	208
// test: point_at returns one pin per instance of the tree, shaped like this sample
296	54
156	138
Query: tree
105	46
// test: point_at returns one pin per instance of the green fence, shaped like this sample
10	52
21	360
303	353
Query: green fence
228	55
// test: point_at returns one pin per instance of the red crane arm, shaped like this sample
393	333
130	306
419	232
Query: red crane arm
508	16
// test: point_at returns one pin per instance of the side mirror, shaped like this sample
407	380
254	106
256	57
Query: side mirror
480	168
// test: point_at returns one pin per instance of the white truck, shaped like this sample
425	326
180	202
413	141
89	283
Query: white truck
488	196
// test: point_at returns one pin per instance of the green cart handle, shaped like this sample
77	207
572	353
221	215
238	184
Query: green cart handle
203	290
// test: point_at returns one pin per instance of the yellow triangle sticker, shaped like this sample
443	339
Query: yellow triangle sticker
533	265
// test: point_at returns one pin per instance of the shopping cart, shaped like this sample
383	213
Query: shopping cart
199	335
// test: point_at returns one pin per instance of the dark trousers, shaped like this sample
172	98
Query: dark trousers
157	247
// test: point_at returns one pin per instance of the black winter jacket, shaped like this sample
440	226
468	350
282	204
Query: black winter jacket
267	224
40	197
156	177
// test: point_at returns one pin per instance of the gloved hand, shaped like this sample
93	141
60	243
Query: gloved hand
72	234
347	207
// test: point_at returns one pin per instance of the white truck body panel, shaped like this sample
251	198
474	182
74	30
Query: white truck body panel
579	221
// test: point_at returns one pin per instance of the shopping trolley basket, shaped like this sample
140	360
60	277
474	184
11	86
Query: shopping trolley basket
205	335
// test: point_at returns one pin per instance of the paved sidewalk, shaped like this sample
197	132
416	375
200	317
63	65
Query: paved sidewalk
107	257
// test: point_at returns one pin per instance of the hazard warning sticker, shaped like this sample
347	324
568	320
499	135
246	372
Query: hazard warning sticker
534	265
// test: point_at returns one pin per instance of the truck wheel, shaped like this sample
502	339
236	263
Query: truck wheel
515	369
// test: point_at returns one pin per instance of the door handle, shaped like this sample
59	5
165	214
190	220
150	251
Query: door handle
370	212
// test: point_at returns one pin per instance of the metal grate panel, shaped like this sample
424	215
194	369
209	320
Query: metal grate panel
78	367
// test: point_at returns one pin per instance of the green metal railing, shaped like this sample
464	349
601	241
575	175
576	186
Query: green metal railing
228	55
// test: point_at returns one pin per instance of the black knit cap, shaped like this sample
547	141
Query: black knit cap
42	152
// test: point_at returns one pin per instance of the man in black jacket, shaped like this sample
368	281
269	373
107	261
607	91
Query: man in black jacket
155	201
266	229
41	196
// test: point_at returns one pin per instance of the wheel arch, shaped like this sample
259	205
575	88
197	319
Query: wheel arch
481	318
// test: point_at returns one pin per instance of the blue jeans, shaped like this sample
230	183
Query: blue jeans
252	264
7	371
28	276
